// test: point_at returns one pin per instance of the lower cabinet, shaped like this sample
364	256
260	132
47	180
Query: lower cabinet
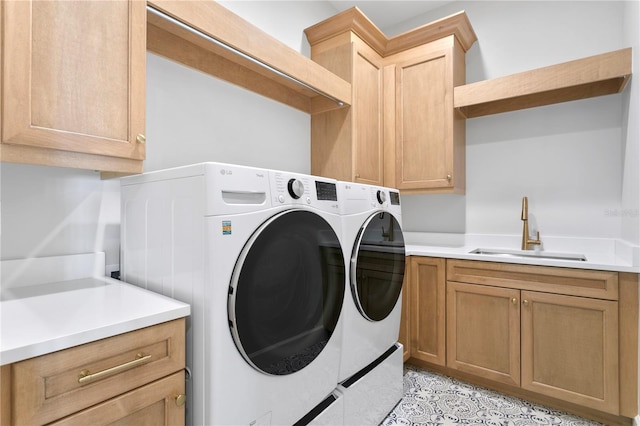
135	378
550	334
560	346
483	325
427	307
569	349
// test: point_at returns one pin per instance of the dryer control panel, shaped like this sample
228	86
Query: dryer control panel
357	198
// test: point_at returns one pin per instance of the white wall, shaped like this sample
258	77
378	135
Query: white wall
192	117
572	160
50	211
577	162
630	212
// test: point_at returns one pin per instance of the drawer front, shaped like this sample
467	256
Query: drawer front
153	404
548	279
55	385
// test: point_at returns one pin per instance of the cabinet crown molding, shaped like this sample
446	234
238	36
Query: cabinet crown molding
357	22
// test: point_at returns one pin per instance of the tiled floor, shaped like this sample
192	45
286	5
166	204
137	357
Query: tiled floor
432	399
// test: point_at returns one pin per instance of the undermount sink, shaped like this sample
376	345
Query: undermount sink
530	254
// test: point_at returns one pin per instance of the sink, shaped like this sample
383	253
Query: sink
530	254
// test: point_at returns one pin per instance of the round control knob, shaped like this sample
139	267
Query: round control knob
295	188
382	197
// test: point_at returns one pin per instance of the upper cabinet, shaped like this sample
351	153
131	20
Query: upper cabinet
73	84
348	144
429	136
598	75
401	130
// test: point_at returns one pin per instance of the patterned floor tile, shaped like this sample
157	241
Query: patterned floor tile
433	399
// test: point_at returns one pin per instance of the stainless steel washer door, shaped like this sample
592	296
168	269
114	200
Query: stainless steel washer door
286	292
377	266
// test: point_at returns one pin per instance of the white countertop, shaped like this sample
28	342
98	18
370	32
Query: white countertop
46	317
601	254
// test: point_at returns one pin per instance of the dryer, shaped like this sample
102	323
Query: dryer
371	362
257	253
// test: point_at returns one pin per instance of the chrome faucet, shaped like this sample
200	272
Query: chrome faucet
526	240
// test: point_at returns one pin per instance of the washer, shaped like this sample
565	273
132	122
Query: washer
257	254
371	361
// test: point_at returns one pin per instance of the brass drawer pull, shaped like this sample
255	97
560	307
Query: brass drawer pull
86	376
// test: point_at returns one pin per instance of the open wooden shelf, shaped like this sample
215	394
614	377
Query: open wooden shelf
318	89
598	75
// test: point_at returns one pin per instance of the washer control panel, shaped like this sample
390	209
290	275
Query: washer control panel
297	189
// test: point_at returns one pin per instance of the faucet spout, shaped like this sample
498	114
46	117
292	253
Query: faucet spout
527	241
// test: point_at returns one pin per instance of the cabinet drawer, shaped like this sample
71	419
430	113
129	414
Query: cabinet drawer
152	404
573	282
49	387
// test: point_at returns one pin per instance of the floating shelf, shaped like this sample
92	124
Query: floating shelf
598	75
208	37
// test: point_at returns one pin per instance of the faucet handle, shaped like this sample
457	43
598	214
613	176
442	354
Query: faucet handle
535	242
525	209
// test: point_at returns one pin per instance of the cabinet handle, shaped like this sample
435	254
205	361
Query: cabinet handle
86	376
514	301
181	399
525	302
141	139
449	177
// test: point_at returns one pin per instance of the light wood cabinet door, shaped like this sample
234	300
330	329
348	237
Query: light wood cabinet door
428	324
367	108
73	83
429	136
570	349
348	144
483	331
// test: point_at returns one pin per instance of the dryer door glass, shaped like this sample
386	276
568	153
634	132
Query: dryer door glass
377	266
286	292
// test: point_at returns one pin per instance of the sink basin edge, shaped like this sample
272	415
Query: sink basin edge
575	257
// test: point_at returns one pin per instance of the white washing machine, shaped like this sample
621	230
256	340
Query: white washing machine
257	254
371	362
